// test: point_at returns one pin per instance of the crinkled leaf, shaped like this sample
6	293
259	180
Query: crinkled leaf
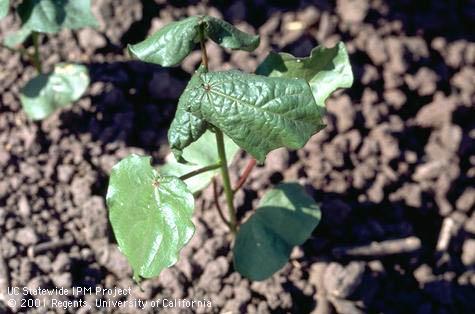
50	16
199	154
326	69
17	38
46	93
4	4
228	36
285	218
170	44
150	215
184	130
185	127
258	113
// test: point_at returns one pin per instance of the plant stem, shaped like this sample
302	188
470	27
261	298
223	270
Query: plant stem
226	182
222	158
250	165
223	163
199	171
216	201
21	51
204	55
36	56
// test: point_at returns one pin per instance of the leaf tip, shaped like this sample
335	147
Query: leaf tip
132	52
256	41
348	72
138	279
178	153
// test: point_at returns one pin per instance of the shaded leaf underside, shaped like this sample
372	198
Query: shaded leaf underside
200	153
50	16
326	69
286	217
46	93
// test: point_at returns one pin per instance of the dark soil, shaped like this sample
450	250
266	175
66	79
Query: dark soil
393	170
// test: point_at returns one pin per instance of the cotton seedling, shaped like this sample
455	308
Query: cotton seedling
47	92
280	105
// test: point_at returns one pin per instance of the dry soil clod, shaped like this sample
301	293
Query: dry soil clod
48	246
378	249
4	278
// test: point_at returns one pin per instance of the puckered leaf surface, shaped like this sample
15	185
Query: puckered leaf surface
185	127
150	215
50	16
326	69
199	154
285	218
258	113
184	130
170	44
45	93
173	42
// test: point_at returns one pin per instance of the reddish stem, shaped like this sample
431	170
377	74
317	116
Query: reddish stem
245	174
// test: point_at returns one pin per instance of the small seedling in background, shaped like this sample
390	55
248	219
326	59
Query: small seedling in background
282	105
47	92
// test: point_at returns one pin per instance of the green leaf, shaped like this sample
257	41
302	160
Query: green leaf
184	130
199	154
46	93
4	4
50	16
185	127
150	215
258	113
17	38
172	43
285	218
326	69
228	36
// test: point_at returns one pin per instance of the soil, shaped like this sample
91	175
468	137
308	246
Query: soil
393	170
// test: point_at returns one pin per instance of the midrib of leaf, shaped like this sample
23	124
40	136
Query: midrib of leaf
151	256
